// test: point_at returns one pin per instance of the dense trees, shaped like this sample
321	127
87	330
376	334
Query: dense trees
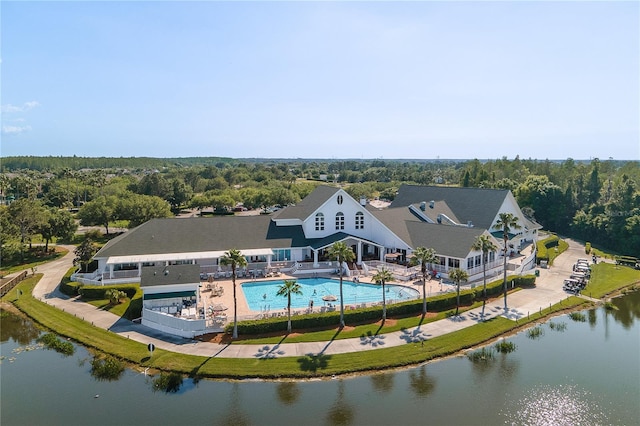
596	200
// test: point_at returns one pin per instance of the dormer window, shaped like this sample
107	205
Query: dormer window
319	222
339	200
339	221
359	220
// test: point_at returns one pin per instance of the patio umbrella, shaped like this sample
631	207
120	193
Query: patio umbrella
329	298
218	307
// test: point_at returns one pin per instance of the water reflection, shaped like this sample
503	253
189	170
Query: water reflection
17	328
382	382
341	412
288	392
421	383
234	415
627	309
558	406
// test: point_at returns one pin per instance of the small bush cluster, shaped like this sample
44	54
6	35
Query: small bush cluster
97	292
535	333
167	382
483	354
558	326
106	368
51	341
505	347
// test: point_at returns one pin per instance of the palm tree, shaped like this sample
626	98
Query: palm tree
234	258
505	223
484	244
458	275
424	256
342	253
288	288
381	277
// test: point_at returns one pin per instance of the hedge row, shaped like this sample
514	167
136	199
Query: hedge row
438	303
97	292
93	292
543	247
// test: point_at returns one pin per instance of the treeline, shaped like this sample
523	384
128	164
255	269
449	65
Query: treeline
597	201
53	164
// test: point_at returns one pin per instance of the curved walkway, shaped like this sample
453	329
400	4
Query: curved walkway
548	291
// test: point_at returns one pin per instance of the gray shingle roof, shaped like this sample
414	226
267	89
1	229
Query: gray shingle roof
447	240
308	205
188	235
439	207
168	275
478	205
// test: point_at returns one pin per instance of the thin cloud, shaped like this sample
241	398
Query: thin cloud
15	130
9	108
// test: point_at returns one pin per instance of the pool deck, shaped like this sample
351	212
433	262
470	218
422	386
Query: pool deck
548	291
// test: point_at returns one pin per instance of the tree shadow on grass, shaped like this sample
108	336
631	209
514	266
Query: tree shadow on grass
314	362
268	352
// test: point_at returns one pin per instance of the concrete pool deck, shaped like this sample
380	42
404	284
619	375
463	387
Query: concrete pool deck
548	291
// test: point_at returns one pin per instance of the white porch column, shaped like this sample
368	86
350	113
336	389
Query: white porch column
315	258
382	253
269	260
359	261
139	269
111	271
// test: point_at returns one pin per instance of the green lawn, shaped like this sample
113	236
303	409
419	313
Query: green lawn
370	329
33	261
129	309
607	278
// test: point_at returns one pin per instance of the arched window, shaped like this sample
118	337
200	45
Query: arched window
359	220
339	220
319	222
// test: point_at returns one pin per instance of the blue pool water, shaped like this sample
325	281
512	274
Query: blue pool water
261	295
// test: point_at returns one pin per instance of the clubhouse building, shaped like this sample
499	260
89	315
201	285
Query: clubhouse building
295	240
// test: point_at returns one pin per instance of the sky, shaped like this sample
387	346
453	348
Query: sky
359	80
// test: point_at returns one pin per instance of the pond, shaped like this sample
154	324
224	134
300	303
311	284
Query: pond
584	370
262	295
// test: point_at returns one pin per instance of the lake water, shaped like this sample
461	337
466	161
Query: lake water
574	373
262	295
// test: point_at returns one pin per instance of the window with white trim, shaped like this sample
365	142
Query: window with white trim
470	263
339	199
339	221
319	222
359	220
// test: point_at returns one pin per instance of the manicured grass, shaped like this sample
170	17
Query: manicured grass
33	261
298	366
607	278
370	329
129	309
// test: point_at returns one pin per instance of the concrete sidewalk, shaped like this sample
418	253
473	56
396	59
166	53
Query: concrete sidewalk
548	291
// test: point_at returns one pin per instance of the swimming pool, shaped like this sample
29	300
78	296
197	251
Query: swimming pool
261	295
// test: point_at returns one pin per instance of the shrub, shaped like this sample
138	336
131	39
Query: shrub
587	248
98	292
169	383
505	347
484	354
51	341
560	326
107	368
535	333
114	295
